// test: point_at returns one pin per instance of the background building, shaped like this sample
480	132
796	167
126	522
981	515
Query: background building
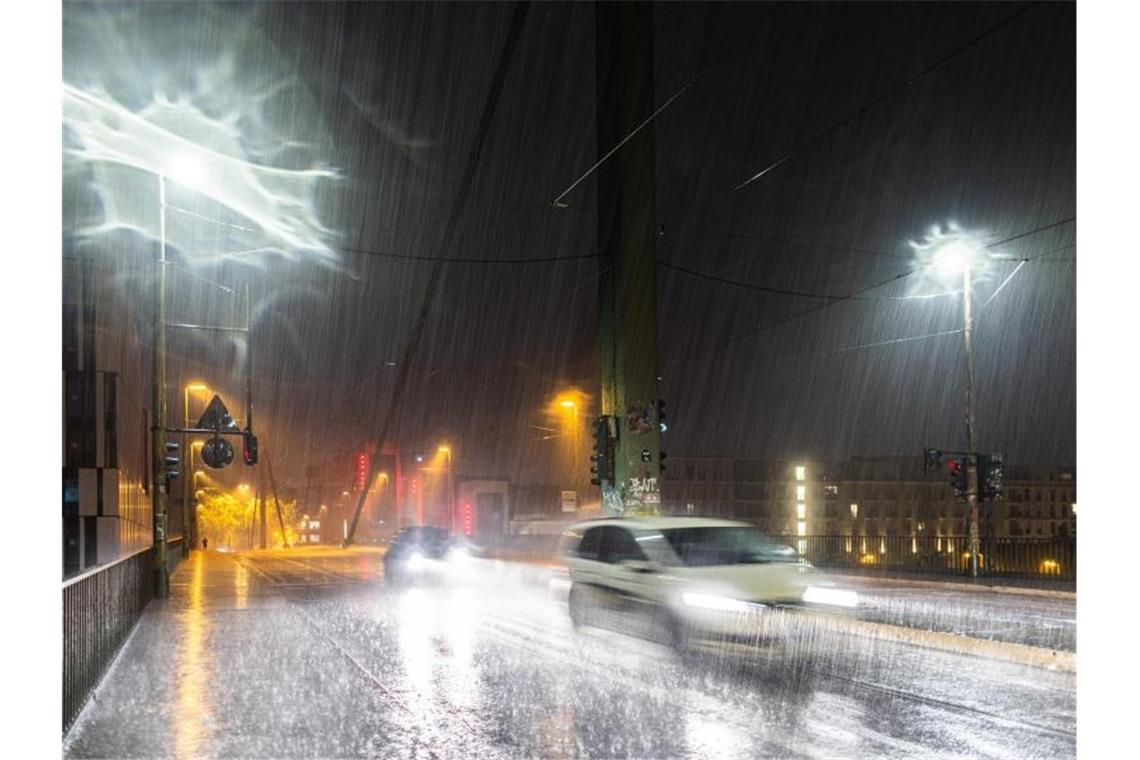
106	511
866	496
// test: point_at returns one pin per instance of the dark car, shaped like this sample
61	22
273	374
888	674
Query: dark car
413	551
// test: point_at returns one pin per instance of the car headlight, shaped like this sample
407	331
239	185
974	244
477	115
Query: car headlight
416	561
718	603
835	597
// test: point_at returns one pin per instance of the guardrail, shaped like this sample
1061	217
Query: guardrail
100	608
1052	558
1044	558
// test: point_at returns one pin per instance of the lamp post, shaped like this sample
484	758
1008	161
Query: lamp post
450	489
956	257
189	516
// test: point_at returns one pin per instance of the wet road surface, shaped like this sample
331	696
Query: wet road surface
310	654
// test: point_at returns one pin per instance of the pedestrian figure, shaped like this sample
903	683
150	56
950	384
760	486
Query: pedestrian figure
205	543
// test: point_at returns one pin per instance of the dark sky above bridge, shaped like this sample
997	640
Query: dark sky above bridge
389	95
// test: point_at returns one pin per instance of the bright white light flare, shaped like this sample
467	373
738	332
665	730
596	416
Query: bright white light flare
718	603
204	155
834	597
949	251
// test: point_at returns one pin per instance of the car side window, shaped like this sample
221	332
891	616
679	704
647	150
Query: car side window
590	544
618	545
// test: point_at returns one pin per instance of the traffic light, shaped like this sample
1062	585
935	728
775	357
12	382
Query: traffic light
172	461
217	452
602	468
661	414
958	475
661	460
990	476
248	448
932	460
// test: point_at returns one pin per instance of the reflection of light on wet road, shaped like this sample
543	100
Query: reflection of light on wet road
193	708
241	587
707	736
413	638
461	680
435	638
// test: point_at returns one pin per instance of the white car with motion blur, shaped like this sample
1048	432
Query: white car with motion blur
686	581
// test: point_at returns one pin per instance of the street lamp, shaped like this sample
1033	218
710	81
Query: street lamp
189	521
450	488
954	255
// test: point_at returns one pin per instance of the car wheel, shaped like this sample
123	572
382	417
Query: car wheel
678	635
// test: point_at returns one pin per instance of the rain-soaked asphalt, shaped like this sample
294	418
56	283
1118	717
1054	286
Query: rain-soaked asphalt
309	654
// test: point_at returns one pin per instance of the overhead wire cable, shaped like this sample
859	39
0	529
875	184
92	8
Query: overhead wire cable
854	296
827	132
797	293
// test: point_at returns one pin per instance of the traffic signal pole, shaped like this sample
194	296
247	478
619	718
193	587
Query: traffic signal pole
971	422
627	237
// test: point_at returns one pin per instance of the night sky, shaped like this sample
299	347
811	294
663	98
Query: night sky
390	95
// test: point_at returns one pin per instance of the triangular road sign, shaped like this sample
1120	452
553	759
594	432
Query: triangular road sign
216	416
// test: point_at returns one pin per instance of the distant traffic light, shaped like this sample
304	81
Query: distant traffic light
661	460
990	476
959	478
248	448
932	460
172	461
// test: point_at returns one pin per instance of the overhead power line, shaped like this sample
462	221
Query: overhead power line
857	113
854	296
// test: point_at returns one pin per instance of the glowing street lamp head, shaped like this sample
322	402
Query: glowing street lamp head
950	261
197	387
950	252
444	449
567	404
186	169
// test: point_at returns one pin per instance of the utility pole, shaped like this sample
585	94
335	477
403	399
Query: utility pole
276	501
627	237
971	420
161	568
264	527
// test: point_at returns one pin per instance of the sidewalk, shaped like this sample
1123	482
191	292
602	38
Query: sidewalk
226	667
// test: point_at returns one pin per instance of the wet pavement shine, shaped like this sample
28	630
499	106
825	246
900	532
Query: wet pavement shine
310	654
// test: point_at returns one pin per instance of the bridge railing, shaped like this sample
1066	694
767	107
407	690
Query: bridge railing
1050	558
100	608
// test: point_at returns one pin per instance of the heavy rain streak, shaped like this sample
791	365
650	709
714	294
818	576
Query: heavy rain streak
648	380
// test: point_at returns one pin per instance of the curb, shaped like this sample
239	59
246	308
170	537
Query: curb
1020	654
954	585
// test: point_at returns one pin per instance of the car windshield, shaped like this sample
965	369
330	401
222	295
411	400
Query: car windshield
698	547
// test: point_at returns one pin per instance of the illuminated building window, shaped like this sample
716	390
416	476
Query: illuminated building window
801	511
801	528
801	473
801	492
854	511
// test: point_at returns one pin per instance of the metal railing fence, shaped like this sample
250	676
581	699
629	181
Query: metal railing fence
1054	558
100	608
